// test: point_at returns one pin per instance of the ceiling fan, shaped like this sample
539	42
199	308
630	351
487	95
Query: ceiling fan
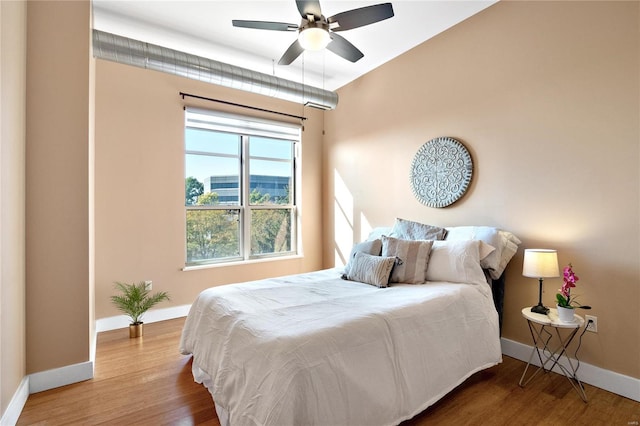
316	32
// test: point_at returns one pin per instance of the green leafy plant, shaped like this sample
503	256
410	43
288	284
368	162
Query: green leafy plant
135	300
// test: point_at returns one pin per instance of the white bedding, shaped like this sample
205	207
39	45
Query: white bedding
316	349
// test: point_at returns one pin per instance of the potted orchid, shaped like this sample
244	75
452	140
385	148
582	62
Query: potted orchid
564	301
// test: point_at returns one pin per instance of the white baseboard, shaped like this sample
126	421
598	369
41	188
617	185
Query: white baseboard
50	379
62	376
14	409
626	386
153	315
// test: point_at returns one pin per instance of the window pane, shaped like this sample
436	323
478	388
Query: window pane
270	171
269	188
212	234
270	231
270	148
213	142
211	180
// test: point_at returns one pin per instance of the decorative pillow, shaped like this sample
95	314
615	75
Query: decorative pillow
458	261
370	247
413	259
369	269
409	230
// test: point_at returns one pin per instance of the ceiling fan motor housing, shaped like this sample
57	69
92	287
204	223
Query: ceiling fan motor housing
314	35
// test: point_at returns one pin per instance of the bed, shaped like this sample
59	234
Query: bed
327	348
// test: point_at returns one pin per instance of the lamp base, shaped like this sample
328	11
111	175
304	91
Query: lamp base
540	309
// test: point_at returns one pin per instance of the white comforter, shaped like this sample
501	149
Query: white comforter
315	349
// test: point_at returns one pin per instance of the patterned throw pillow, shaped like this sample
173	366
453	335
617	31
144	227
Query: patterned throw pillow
412	259
410	230
369	269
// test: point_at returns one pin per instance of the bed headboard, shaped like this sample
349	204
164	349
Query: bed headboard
497	288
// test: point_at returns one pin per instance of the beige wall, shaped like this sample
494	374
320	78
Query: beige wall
47	251
57	184
140	218
13	20
545	95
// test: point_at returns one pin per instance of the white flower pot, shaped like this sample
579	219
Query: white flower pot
565	314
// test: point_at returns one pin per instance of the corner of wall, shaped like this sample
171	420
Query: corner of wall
62	376
14	409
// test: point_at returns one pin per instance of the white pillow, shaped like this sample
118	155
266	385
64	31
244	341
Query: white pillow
413	258
510	248
369	269
505	243
458	261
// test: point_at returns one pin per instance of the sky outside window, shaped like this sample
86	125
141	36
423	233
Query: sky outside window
224	147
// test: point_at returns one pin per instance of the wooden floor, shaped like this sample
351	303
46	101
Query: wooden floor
146	381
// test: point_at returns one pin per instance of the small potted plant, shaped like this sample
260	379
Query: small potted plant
564	301
134	301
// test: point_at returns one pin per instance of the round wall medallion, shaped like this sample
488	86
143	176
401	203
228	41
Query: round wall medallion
441	172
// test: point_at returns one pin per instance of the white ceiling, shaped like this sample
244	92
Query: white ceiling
204	28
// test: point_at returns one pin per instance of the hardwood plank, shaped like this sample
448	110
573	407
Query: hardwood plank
146	381
137	381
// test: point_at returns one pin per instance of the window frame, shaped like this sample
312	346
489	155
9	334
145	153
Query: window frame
246	127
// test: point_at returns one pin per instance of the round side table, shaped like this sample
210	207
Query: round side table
543	328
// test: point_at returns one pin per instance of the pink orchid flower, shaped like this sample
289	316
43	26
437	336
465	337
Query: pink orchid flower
570	279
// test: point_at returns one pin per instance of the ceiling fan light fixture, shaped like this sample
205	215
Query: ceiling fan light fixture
314	38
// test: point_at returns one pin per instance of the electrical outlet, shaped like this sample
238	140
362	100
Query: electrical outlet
593	325
148	285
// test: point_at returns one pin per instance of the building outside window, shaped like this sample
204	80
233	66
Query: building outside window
240	181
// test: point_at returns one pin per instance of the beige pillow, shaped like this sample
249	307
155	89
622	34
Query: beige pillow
412	259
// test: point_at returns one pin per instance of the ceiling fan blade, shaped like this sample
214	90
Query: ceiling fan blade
291	54
360	17
342	47
309	8
264	25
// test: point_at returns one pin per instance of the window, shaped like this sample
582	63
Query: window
240	180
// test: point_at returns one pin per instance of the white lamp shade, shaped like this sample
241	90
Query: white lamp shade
540	263
314	38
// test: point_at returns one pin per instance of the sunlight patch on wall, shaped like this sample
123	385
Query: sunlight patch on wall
343	219
365	227
343	196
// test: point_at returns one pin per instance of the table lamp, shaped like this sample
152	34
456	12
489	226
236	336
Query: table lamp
540	263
